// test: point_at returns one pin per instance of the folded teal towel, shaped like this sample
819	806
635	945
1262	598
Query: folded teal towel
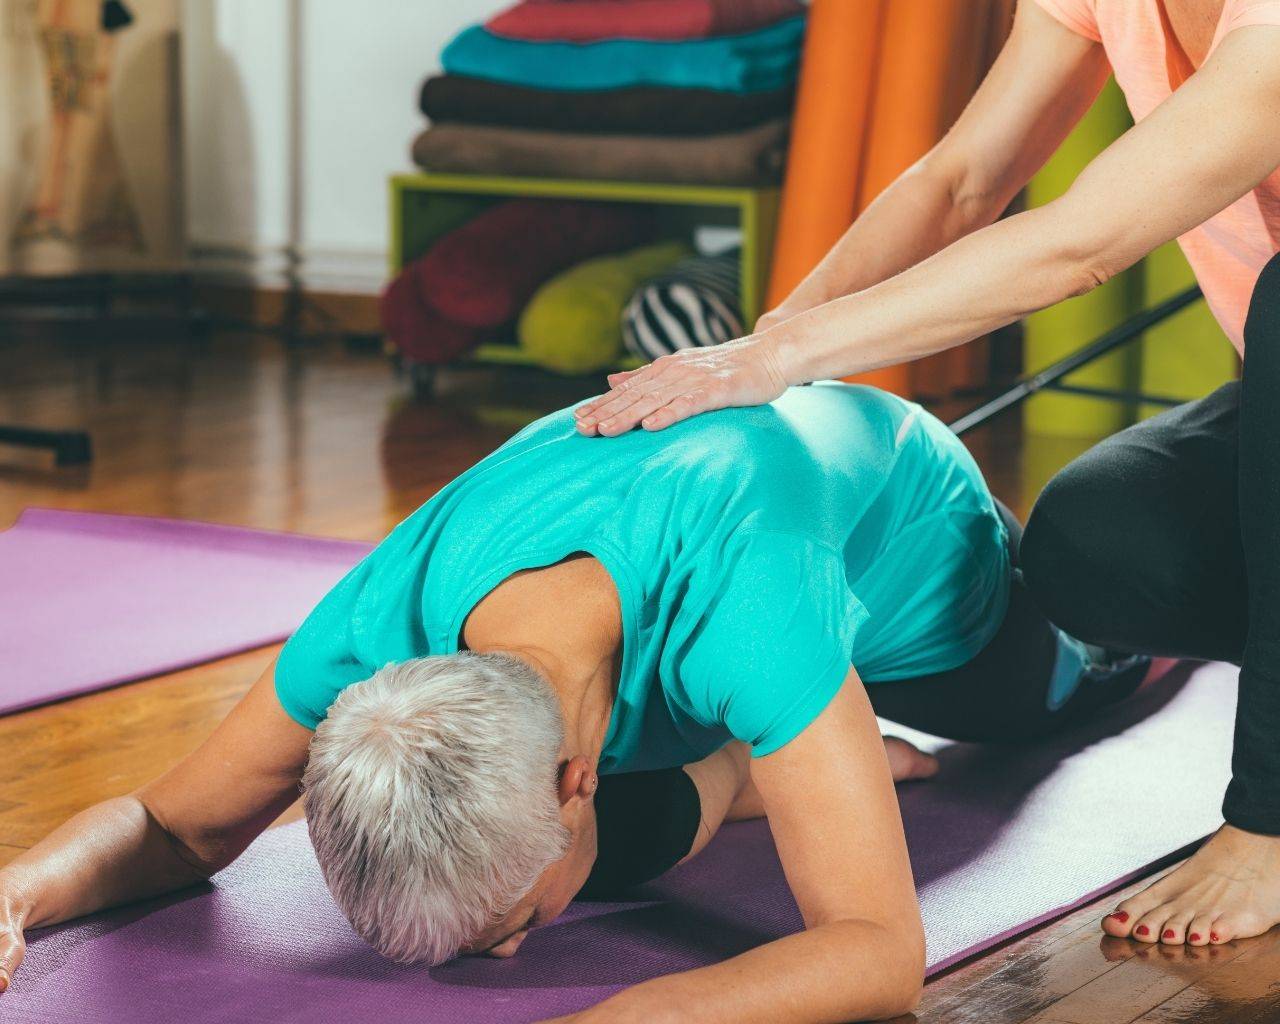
751	62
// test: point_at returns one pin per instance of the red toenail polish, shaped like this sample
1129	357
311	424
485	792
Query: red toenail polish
1213	936
1167	933
1195	936
1142	929
1121	915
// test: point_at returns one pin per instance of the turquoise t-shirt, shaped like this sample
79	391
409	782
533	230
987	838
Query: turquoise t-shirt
757	552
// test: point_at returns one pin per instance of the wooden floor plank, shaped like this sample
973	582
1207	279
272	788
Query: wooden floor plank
1242	989
1140	983
1026	983
1026	976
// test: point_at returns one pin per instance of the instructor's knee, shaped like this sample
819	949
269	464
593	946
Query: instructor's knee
1072	553
1049	564
1262	326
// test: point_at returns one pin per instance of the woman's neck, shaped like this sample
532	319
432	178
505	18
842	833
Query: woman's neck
564	620
585	691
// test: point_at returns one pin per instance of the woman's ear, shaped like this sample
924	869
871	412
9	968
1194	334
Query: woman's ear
577	778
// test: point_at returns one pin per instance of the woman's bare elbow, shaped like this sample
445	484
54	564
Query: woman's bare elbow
913	995
1085	274
1078	255
903	971
903	995
911	984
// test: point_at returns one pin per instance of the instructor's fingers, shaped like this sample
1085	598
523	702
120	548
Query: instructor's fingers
612	414
587	409
645	402
681	408
615	379
640	410
589	413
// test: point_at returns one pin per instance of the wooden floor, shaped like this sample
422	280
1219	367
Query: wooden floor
319	440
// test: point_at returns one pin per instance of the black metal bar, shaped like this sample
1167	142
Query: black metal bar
69	447
87	286
1096	349
1115	394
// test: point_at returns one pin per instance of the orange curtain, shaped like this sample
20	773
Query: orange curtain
880	84
828	136
933	55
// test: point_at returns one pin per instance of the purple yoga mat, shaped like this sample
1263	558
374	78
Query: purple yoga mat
1003	839
88	601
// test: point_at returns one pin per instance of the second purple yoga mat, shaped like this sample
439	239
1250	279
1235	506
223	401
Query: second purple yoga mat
1001	840
88	600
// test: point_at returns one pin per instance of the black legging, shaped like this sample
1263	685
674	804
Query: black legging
1001	694
1165	540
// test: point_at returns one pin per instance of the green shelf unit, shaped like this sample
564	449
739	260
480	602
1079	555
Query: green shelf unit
425	206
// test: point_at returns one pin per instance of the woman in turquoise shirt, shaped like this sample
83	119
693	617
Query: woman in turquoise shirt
574	607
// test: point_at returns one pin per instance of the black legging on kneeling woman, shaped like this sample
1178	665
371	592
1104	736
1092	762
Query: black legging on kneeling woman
1165	540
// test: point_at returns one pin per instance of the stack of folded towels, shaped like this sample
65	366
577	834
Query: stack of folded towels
677	91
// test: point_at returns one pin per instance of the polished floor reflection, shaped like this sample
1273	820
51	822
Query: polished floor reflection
317	439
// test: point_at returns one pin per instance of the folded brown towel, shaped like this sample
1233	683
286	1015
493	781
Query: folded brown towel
641	110
754	156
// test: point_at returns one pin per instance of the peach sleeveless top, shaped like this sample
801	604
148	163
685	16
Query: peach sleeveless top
1228	251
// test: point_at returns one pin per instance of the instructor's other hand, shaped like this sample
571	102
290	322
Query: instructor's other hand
674	387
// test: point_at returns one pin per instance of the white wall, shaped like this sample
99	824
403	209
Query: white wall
359	66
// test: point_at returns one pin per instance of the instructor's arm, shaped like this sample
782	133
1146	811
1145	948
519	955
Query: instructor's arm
1199	151
191	822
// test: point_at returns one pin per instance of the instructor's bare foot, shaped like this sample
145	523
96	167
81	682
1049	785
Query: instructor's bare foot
1230	889
908	761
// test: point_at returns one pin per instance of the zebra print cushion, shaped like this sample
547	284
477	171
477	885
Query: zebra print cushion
694	304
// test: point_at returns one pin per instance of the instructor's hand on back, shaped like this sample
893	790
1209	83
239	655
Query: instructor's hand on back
747	371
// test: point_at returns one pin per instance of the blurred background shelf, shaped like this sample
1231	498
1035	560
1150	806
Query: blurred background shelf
424	206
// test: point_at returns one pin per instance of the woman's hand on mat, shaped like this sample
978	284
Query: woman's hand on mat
685	383
12	945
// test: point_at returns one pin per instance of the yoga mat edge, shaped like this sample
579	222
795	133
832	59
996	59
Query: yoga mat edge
98	600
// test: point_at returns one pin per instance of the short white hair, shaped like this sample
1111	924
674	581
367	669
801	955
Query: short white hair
431	799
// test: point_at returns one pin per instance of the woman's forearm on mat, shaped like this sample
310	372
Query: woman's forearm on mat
843	971
922	212
112	853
